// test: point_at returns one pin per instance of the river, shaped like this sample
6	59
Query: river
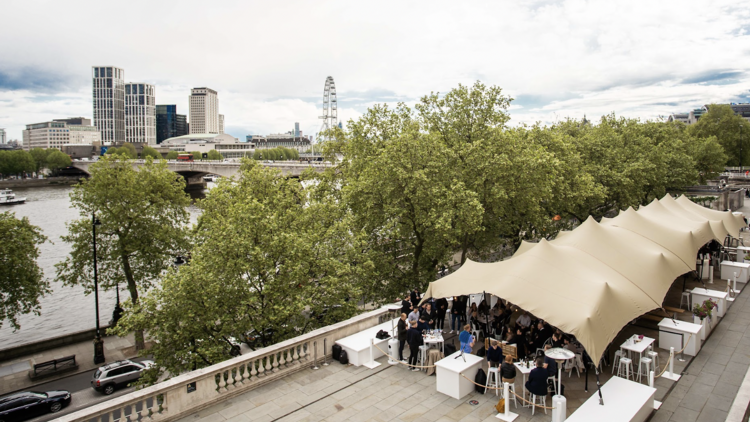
66	309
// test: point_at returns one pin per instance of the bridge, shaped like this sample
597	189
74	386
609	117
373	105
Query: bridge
193	172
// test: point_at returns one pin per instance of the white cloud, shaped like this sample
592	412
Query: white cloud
269	60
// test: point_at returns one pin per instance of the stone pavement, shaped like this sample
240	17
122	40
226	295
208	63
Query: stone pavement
14	373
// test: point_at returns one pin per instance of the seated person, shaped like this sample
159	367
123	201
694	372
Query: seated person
572	345
542	334
524	321
550	363
537	383
422	325
494	354
483	308
557	340
508	370
466	339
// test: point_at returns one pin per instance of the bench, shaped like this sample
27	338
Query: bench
652	317
54	366
675	310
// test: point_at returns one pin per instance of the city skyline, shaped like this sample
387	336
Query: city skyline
557	59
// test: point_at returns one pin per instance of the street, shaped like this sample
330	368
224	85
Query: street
82	394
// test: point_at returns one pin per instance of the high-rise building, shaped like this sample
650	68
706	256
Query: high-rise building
109	102
140	113
204	111
221	123
3	138
182	126
169	124
59	132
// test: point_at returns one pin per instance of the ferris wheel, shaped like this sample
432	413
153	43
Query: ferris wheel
330	106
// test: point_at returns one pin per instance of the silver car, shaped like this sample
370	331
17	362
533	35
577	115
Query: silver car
123	372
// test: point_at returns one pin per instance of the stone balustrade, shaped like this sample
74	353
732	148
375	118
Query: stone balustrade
193	391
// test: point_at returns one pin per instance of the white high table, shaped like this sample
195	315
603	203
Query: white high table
624	401
449	370
700	295
728	268
357	346
675	333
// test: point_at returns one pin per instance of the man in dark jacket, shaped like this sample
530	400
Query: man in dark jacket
414	338
406	306
402	329
429	315
537	383
442	308
495	354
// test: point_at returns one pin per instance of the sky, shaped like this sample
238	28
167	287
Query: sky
269	60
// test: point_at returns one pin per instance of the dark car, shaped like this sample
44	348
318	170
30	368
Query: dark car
30	404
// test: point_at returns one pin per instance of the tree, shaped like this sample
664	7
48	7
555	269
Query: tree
267	258
22	282
732	132
128	150
708	155
16	162
40	158
215	155
143	216
57	160
172	155
150	152
196	155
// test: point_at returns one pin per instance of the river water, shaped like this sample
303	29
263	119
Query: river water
67	309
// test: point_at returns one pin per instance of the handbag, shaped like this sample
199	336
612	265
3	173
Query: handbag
500	406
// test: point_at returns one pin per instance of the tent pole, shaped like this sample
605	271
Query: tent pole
599	388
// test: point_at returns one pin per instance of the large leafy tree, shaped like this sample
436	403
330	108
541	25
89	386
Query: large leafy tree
143	216
16	162
708	155
270	257
40	157
214	155
732	132
150	152
21	280
57	160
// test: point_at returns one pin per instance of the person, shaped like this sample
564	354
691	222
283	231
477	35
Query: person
537	383
455	314
573	346
494	354
509	335
415	298
508	370
429	316
414	338
414	315
422	324
464	300
557	340
402	331
442	308
406	305
466	339
543	333
524	321
550	363
473	314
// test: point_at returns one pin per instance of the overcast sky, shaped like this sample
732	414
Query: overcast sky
269	60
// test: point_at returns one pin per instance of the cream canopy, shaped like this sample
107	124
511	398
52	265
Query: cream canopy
593	280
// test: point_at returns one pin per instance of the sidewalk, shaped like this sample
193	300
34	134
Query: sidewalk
14	374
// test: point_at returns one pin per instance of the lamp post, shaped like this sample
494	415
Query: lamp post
740	148
98	342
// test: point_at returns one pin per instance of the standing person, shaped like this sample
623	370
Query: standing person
414	338
455	314
406	305
524	321
442	308
402	331
429	315
415	296
464	300
414	315
494	354
508	370
466	339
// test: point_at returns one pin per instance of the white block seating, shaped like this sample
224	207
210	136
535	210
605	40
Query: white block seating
686	296
493	380
618	354
641	371
625	368
654	356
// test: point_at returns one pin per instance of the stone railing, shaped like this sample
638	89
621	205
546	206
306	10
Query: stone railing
193	391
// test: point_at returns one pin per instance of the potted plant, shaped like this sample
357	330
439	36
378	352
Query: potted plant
700	313
709	305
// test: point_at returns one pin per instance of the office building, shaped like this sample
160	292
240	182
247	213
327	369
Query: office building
286	140
108	87
221	123
140	113
227	145
60	132
296	130
3	136
80	131
169	124
204	111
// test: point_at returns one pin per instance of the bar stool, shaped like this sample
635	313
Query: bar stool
618	354
625	368
685	299
654	356
512	392
493	379
647	363
542	402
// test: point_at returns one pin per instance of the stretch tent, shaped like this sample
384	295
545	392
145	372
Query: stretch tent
593	280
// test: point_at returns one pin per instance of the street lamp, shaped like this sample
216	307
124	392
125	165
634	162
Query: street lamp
98	342
740	148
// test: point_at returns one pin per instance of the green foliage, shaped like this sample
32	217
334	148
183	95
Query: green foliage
16	162
57	160
196	155
708	156
214	155
276	154
151	152
127	151
172	155
40	157
268	254
729	129
143	216
21	280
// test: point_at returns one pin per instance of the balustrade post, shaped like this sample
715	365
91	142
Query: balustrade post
253	371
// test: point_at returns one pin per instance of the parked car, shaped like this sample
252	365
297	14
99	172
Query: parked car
30	404
121	373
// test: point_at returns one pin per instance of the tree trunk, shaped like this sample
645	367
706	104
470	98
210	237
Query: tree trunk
140	343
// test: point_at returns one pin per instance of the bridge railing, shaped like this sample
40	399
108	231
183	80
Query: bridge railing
190	392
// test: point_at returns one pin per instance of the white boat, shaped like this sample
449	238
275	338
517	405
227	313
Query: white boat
210	178
7	197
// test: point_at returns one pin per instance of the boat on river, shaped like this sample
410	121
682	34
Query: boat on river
7	197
